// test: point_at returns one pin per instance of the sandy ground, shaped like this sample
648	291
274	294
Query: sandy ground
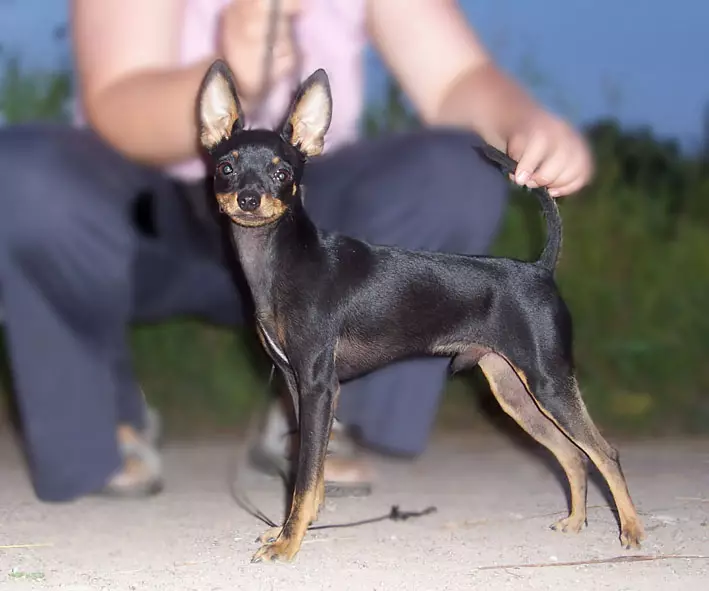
495	501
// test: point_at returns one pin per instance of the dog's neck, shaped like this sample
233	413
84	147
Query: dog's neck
265	251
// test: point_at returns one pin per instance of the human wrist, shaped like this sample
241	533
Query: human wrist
149	115
487	101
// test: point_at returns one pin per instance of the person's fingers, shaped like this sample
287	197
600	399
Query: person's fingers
551	168
283	40
532	154
568	189
251	8
574	173
287	7
291	7
252	18
255	29
578	171
283	48
283	65
515	146
551	154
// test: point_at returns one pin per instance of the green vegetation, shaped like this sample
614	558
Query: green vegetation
635	272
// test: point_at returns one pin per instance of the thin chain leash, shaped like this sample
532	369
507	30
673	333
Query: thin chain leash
238	491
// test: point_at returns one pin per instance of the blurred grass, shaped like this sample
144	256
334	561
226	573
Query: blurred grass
201	377
639	308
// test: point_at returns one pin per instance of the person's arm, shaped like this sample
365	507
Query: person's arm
451	79
133	93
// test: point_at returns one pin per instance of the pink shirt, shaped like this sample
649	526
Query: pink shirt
331	35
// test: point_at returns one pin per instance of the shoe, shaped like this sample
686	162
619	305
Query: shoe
273	453
141	473
345	474
152	432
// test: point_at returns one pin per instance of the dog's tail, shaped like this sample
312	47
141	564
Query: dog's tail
552	249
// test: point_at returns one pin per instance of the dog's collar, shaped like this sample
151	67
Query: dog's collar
273	347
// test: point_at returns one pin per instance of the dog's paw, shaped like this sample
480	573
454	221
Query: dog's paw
631	535
282	550
569	525
270	535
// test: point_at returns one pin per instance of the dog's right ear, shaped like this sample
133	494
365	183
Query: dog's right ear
220	113
310	115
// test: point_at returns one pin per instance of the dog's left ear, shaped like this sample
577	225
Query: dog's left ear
310	114
220	112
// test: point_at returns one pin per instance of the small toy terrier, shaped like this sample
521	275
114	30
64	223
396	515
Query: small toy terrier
330	308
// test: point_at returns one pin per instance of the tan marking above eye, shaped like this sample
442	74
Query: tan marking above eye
235	153
276	160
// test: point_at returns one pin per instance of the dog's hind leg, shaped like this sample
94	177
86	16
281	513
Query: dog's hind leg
557	395
516	401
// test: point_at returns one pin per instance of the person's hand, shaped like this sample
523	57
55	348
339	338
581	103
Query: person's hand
243	42
550	153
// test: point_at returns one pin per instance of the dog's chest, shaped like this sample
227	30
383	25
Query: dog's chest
270	342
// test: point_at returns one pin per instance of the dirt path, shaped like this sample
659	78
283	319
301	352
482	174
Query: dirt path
495	501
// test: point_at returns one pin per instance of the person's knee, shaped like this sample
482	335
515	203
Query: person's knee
51	212
467	195
33	177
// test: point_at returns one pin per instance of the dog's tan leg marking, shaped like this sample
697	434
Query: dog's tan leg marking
282	544
272	534
515	400
584	433
605	457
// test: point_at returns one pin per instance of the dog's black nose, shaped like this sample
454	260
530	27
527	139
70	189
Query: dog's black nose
248	200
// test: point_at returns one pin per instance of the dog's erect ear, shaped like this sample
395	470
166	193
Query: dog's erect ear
310	115
220	112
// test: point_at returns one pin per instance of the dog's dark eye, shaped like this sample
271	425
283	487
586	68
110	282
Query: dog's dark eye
225	169
282	175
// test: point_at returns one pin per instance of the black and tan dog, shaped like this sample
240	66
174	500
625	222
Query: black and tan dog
330	308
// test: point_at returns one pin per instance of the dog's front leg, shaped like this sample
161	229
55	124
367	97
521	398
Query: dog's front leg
317	394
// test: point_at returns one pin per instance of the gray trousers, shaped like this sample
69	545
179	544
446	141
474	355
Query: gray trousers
90	242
